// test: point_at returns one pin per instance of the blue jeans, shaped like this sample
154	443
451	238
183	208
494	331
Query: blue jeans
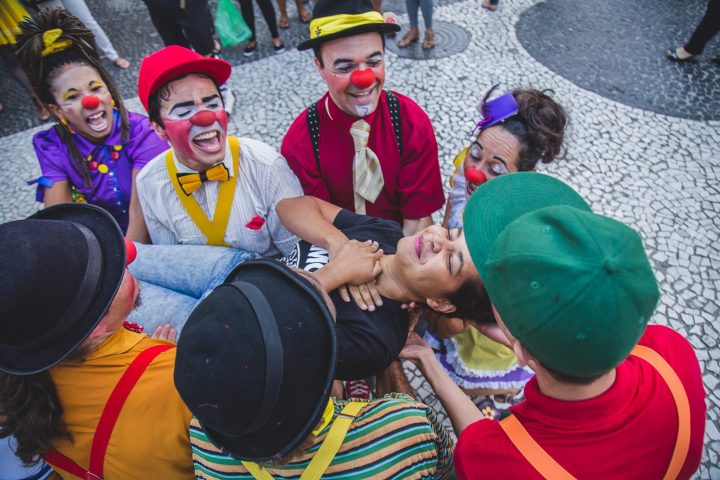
427	10
174	278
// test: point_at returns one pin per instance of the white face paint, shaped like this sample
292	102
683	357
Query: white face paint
363	110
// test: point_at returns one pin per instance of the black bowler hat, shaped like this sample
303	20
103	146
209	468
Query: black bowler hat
256	360
343	18
59	272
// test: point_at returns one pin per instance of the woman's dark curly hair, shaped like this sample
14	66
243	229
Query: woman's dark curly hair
41	71
31	411
539	126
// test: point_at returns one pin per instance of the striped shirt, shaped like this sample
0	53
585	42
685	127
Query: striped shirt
392	437
264	179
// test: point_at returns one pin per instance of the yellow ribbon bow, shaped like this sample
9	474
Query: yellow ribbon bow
52	44
189	182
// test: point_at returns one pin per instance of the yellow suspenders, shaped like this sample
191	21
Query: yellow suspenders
549	468
329	448
214	230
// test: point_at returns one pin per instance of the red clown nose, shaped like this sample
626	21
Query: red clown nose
203	118
90	101
362	78
130	251
475	176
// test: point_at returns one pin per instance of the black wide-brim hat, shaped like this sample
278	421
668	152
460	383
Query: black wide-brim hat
256	361
61	269
334	19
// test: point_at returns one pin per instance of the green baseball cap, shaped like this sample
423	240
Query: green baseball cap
575	288
494	205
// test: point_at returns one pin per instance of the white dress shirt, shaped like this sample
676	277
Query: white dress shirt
264	179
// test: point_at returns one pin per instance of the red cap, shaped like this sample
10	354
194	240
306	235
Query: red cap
167	63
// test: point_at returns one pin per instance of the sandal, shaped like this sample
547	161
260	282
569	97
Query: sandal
121	62
673	55
429	40
490	6
305	16
250	48
412	36
284	21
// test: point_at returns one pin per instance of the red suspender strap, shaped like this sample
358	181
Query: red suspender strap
108	418
549	468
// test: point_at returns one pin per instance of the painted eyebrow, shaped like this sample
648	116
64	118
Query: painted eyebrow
211	97
499	159
95	82
341	61
189	103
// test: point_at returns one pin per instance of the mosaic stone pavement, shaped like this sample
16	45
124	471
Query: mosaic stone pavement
657	172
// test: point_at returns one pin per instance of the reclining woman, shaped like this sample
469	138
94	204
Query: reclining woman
431	267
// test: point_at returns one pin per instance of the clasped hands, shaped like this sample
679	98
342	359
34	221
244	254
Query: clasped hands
358	264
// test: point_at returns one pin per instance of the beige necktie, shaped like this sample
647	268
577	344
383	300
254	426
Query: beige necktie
367	176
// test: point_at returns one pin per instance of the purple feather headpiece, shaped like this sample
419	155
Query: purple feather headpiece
497	110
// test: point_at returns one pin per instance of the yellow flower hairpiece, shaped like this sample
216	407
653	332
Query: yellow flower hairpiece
52	43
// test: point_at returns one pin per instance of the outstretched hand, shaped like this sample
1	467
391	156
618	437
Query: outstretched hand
415	350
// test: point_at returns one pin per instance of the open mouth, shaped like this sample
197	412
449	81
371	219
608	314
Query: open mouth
208	141
418	246
97	121
363	97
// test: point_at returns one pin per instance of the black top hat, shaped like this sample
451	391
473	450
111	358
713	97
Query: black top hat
336	19
61	269
256	360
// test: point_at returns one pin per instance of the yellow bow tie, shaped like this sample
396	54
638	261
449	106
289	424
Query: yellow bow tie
189	182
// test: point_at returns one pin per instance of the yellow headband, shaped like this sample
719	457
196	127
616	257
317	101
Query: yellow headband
324	26
52	44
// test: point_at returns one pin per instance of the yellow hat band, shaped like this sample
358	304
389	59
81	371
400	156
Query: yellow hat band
324	26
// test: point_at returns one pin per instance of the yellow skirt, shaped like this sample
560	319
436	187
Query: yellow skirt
11	13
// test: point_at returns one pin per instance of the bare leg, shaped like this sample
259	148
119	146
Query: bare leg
283	21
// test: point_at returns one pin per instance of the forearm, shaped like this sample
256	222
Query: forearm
60	192
411	227
310	219
461	410
330	277
137	230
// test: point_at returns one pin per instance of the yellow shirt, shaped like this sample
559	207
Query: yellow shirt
150	438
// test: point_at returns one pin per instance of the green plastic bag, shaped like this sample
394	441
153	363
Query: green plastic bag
230	25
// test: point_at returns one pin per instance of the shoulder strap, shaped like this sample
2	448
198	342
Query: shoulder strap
532	451
682	443
333	441
327	451
313	122
549	468
394	108
108	418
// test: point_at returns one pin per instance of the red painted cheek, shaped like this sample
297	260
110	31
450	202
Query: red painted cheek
222	119
178	132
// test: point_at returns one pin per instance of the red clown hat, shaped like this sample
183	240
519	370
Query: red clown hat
167	63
